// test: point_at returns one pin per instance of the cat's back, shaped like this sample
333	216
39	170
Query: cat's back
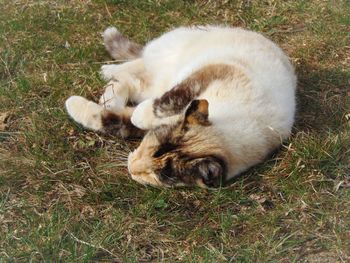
196	38
179	52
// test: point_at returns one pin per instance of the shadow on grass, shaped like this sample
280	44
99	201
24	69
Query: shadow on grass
322	99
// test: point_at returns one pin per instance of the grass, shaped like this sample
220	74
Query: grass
64	193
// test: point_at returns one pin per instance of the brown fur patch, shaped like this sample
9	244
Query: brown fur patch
175	100
164	148
120	124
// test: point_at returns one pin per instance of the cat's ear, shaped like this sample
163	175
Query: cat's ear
197	113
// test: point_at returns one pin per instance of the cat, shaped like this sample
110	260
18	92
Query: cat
211	102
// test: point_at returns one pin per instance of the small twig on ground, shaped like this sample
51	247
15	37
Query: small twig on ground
5	199
10	132
116	258
80	64
109	61
6	68
4	253
109	13
286	31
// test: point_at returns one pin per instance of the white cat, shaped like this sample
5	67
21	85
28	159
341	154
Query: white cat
213	100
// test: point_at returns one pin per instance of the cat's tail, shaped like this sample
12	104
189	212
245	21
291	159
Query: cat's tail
120	47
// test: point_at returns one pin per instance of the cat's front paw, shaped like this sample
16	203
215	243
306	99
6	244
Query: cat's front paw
144	118
109	72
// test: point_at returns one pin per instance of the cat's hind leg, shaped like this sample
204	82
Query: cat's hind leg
128	88
115	71
131	74
111	115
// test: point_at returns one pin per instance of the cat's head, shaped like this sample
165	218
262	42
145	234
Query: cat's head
186	153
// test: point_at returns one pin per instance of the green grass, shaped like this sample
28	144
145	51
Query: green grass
64	193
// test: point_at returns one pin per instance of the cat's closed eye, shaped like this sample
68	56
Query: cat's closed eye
164	148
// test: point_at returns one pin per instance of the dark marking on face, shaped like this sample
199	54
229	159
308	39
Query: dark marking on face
165	148
166	173
192	108
186	169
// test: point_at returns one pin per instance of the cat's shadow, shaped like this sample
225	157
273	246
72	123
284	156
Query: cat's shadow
322	96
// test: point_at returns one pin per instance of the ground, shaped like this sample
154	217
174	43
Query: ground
64	192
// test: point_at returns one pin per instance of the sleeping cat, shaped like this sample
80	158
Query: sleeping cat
211	102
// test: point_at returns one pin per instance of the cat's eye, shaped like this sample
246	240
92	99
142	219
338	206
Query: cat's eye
164	148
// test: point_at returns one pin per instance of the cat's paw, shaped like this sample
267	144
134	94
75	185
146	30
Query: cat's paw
85	112
109	72
114	97
144	118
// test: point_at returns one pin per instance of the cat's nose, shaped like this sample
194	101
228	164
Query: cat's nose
140	171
